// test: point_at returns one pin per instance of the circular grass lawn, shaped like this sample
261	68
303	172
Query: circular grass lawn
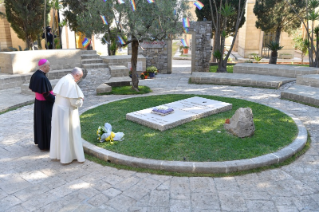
201	140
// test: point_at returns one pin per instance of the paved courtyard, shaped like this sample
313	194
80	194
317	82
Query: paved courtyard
30	181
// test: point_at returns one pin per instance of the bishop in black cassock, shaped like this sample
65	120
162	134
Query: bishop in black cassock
43	104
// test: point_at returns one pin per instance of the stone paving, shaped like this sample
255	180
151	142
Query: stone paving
30	181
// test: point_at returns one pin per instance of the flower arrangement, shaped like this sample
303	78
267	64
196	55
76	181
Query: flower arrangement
144	75
151	69
105	133
162	110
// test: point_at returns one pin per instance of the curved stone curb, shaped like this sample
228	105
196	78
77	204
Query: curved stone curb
201	167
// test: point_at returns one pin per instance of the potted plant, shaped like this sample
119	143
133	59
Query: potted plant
151	70
144	75
185	49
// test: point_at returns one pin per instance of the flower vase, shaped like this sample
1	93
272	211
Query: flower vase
151	74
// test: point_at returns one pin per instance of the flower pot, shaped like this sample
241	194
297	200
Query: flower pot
151	74
185	51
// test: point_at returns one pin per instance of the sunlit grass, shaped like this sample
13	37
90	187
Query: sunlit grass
127	90
214	68
200	140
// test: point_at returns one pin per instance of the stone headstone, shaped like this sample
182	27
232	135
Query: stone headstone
103	88
185	110
242	123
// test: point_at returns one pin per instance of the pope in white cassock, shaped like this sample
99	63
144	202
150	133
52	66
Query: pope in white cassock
66	144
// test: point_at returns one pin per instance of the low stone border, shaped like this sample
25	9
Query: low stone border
17	105
202	167
252	80
302	93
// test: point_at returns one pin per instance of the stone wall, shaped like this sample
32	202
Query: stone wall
201	50
124	60
5	36
161	58
23	62
201	43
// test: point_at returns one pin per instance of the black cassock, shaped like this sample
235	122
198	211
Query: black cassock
40	84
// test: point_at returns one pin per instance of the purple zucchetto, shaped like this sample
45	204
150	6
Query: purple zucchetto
42	61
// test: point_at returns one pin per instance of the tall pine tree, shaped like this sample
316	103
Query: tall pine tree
26	18
277	16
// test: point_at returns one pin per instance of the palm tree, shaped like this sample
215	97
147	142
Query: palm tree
274	47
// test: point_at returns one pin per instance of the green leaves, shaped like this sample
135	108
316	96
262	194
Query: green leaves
274	46
313	15
227	10
217	54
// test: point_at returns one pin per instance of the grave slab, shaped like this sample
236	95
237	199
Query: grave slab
185	110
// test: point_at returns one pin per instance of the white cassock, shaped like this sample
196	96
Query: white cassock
66	144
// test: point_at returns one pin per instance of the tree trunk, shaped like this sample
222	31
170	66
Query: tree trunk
45	23
53	23
273	57
274	54
302	58
133	64
222	66
109	42
216	45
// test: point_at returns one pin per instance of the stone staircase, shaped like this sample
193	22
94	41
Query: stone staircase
91	60
306	90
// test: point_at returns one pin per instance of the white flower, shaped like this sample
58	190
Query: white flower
162	107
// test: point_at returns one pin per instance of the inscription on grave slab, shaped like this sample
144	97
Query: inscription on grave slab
184	111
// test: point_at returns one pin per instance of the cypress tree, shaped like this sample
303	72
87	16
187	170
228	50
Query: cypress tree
26	18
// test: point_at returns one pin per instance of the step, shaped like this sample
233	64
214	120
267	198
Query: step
25	87
94	65
88	52
309	80
119	71
252	80
89	61
302	93
119	81
274	70
90	56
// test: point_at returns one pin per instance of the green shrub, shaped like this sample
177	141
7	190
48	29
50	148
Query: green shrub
151	69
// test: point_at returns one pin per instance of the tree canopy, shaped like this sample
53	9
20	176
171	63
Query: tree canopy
138	22
72	8
277	16
26	18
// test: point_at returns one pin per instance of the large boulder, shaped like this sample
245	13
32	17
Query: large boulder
242	123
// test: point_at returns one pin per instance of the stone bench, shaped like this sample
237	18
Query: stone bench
252	80
302	93
309	80
274	70
113	82
285	56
